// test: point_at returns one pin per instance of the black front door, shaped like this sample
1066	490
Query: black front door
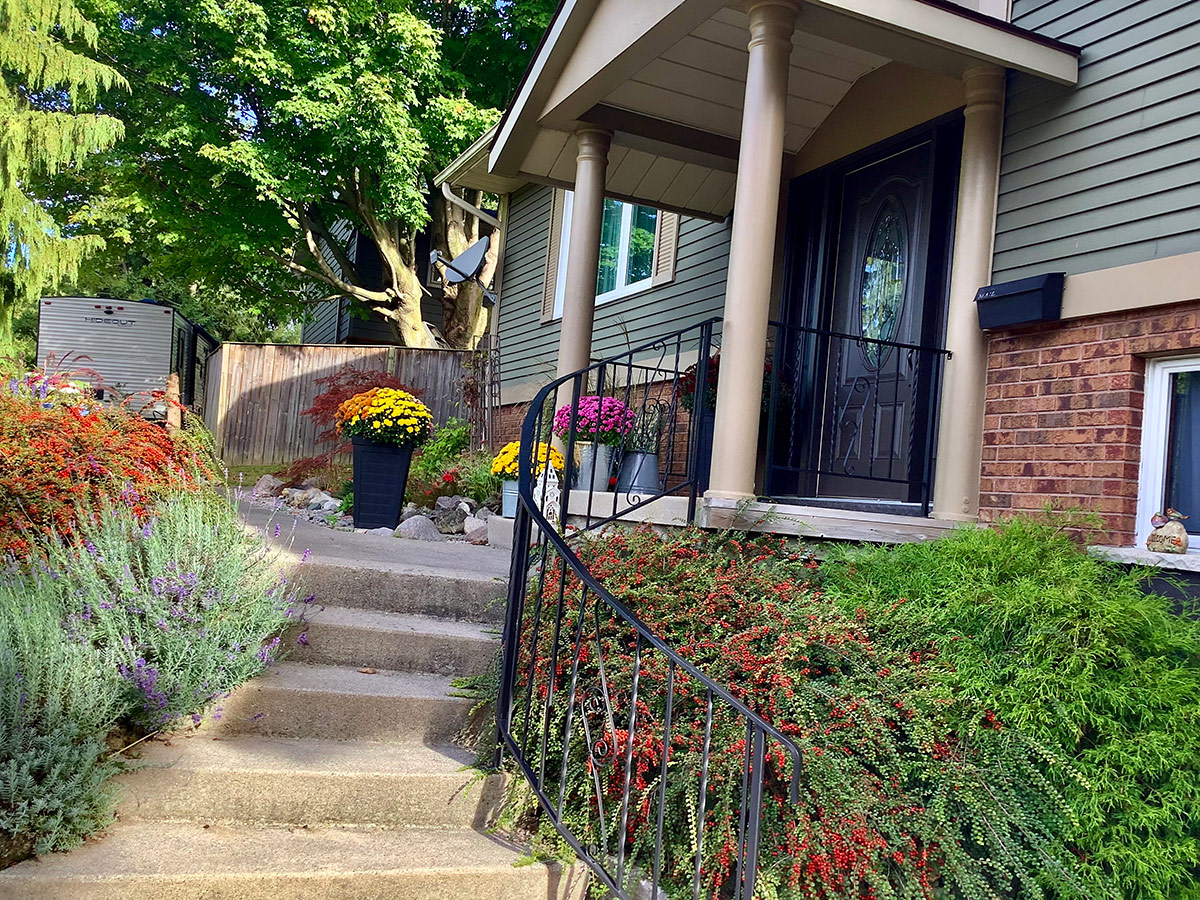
859	347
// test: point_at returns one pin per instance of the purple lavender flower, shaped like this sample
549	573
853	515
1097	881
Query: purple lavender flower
303	639
307	554
277	529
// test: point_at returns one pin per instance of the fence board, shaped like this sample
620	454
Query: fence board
260	390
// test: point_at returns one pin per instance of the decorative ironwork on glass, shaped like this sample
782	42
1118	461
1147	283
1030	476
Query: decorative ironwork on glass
884	276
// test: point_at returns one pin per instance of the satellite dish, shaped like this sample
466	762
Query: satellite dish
467	264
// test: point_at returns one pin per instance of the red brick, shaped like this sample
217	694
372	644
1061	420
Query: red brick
1103	348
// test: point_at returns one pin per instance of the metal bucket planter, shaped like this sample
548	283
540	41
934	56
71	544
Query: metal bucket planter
508	499
638	473
595	466
380	475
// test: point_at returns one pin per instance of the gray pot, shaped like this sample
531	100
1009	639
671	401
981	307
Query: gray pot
508	498
595	466
639	473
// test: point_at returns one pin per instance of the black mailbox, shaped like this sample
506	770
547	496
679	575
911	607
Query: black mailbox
1021	302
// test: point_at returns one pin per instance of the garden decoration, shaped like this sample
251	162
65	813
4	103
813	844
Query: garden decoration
384	425
1169	534
598	425
507	463
638	473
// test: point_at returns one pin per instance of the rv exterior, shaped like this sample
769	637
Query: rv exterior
126	349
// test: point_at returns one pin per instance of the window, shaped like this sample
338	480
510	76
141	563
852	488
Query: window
1170	468
627	242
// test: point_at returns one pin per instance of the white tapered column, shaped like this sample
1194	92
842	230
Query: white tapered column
752	251
583	251
964	382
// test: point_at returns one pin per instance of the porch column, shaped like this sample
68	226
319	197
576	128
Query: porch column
752	251
583	251
964	381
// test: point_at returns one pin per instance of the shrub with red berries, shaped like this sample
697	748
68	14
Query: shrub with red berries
897	798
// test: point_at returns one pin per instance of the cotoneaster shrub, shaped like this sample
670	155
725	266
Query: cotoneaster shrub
1070	651
907	790
59	457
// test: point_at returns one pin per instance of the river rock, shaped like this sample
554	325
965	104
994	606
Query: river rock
418	528
471	523
478	535
451	521
267	486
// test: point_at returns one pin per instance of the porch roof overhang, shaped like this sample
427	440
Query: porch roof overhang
667	78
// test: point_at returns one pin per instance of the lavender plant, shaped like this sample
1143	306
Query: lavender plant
184	606
57	703
128	627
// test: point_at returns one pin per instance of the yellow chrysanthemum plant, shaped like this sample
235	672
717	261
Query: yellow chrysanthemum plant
386	415
506	462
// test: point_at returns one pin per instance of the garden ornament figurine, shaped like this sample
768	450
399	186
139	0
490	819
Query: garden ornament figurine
1169	534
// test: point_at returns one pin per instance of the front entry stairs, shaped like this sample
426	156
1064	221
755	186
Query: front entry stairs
321	780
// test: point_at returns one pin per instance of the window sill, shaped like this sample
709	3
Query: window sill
634	290
1135	556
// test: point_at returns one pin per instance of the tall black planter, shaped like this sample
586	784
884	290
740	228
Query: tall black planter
380	474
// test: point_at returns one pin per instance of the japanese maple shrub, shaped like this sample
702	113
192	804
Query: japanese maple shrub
907	789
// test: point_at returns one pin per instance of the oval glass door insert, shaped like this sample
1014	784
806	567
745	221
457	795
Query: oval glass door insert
884	277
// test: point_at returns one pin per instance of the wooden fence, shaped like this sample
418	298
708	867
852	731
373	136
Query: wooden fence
256	392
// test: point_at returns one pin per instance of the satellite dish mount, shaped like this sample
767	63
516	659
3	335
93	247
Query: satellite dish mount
466	267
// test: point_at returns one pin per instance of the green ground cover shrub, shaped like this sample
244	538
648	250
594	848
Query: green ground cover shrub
1068	650
446	467
908	789
134	623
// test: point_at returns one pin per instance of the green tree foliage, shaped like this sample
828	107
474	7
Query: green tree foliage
47	84
257	129
1070	651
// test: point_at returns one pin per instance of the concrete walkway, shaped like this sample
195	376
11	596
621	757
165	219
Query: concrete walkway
375	551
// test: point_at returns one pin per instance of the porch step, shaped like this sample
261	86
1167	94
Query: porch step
309	782
192	862
396	641
462	596
340	703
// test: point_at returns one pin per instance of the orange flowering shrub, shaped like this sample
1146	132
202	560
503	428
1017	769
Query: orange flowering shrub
59	458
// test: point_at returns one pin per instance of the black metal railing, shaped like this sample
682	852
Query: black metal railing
851	417
613	729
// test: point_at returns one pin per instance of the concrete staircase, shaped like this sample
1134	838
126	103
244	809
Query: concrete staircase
319	780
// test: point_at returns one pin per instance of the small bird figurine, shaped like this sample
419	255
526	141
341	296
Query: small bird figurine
1175	515
1158	520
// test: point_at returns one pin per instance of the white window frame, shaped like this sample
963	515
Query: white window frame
1156	423
564	247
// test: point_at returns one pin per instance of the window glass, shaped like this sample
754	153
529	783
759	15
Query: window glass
884	273
640	264
610	246
1183	448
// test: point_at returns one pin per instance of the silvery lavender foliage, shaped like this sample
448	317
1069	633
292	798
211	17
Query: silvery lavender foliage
185	607
133	626
57	702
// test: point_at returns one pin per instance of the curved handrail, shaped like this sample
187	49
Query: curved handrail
531	517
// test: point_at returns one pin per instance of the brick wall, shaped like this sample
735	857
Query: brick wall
1062	421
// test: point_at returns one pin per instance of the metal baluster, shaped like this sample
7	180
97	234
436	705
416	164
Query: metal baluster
703	805
562	781
662	781
633	702
754	812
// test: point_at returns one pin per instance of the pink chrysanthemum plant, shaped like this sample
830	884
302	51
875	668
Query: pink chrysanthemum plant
604	420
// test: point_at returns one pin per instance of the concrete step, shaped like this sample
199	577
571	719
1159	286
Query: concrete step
339	703
191	862
465	596
397	641
287	781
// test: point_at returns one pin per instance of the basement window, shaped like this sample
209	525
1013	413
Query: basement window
1170	461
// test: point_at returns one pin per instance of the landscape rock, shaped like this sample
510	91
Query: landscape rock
447	503
478	535
418	528
482	513
471	523
412	510
332	504
298	497
267	486
319	499
381	530
451	521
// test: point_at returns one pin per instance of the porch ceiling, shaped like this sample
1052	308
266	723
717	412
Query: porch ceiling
667	77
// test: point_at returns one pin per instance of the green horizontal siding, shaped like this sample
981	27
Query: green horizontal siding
1108	172
529	348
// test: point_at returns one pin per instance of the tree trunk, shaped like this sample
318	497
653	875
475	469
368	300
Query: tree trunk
9	294
464	317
